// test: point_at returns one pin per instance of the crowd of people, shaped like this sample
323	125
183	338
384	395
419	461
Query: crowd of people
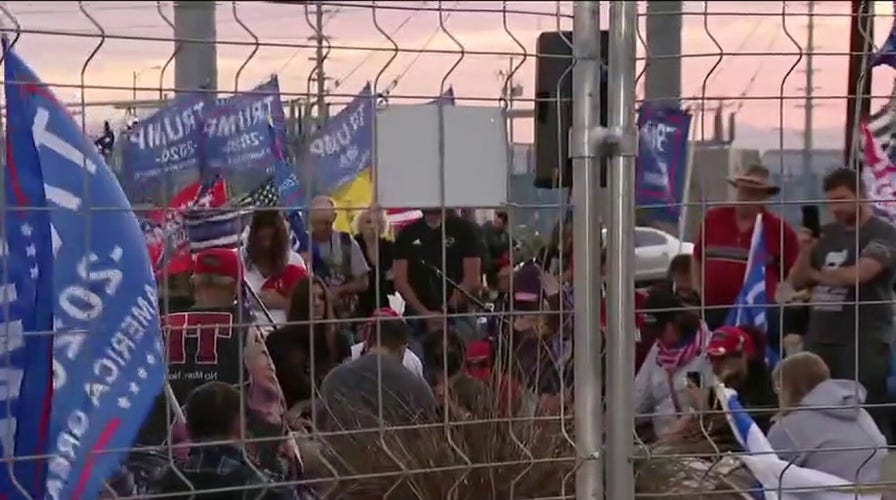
323	351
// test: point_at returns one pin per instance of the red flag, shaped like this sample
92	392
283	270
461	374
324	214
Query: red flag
171	219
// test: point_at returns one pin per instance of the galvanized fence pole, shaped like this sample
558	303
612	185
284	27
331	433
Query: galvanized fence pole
620	252
586	248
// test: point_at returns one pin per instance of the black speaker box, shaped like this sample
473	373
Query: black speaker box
553	106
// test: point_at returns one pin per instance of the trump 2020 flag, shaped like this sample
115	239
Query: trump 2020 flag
778	479
661	164
26	324
289	191
750	304
107	363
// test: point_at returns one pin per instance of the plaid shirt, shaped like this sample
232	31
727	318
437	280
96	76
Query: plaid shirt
222	466
266	411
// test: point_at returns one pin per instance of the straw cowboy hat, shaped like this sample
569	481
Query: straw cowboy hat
754	177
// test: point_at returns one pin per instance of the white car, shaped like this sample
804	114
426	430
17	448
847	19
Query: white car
654	250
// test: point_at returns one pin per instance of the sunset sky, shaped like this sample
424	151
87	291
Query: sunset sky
756	38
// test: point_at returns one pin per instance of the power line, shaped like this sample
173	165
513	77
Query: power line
369	55
419	51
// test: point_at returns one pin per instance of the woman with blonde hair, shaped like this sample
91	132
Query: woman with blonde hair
821	424
370	233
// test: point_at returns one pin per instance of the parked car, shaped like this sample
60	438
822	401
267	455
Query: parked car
654	250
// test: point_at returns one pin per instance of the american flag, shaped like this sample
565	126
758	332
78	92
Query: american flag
265	195
881	125
223	227
397	218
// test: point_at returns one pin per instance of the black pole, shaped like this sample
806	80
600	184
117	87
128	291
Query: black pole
861	37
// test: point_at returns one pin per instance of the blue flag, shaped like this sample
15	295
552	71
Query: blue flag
661	165
26	308
886	54
289	190
446	98
343	147
750	305
108	366
235	142
195	134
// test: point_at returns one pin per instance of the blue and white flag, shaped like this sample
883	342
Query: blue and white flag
108	366
661	164
165	143
26	313
236	135
289	192
776	477
751	303
886	55
343	147
212	228
195	134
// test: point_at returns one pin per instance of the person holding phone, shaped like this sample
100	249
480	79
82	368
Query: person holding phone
661	384
851	268
722	248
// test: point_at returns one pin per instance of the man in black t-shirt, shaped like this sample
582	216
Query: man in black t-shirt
419	271
203	342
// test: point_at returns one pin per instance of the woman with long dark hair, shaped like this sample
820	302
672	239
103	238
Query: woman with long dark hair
272	268
311	320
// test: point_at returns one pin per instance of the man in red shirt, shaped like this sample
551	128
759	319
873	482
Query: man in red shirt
723	245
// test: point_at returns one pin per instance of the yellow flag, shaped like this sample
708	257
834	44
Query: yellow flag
351	198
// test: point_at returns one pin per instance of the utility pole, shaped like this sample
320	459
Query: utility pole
858	102
810	90
319	74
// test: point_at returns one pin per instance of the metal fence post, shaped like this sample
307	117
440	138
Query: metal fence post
586	248
620	253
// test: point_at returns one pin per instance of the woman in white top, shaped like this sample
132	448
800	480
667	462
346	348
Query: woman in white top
267	256
661	385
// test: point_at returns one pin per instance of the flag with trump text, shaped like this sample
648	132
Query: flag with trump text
354	193
662	161
779	479
107	349
26	308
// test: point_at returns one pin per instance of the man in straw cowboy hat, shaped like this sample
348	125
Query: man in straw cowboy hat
723	245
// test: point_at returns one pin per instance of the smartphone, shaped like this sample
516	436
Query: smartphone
695	378
812	219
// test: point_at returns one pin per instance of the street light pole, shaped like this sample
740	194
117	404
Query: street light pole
136	75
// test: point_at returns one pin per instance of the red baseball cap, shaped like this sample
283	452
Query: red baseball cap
383	312
477	359
729	340
222	262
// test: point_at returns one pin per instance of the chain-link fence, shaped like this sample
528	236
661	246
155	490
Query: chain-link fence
362	160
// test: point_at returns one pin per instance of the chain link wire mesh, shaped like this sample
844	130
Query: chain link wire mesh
115	61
